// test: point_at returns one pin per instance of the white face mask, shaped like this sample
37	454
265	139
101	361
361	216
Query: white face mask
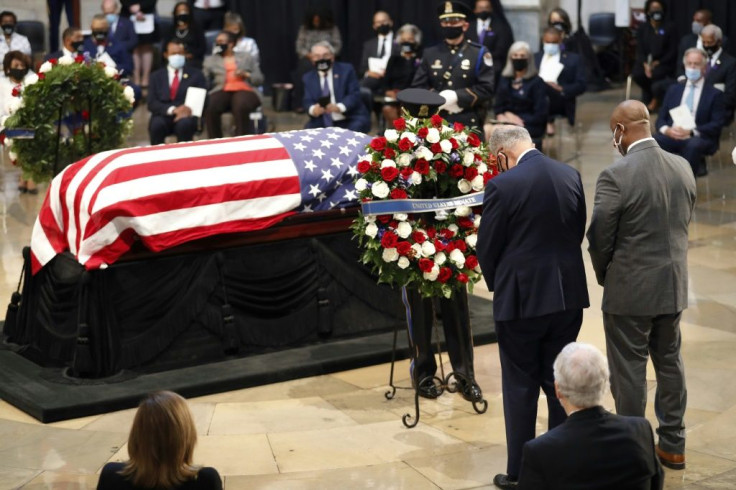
617	144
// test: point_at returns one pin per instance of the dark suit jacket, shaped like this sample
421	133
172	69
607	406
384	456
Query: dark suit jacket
710	116
347	91
529	239
724	71
530	103
593	450
370	50
117	52
661	45
110	479
571	79
686	42
125	34
159	99
497	42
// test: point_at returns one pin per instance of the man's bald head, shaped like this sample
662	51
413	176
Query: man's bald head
630	123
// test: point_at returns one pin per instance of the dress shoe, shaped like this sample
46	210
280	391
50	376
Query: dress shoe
470	390
671	460
503	481
428	390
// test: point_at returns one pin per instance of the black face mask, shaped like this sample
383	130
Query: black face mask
408	48
182	18
220	49
711	50
560	26
656	16
8	29
18	73
323	65
520	64
383	29
452	32
77	46
99	36
485	15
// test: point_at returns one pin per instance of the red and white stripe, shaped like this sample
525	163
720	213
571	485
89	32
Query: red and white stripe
165	195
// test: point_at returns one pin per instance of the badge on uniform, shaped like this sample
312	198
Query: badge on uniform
488	59
465	64
437	65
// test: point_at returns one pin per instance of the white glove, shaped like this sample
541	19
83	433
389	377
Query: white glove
450	104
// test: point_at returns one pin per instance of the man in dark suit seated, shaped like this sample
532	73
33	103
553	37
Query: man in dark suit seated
121	28
529	240
705	103
105	49
332	93
72	44
563	90
492	31
167	91
382	46
593	449
721	68
701	19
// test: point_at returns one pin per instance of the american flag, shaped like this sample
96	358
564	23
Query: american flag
169	194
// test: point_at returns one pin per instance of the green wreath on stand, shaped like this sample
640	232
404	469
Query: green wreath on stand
76	107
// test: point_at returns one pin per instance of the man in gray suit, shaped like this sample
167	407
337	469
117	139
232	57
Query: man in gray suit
638	245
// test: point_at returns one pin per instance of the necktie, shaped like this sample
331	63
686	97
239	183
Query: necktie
326	93
382	51
690	98
174	85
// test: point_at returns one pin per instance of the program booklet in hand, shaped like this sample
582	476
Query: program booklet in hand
195	100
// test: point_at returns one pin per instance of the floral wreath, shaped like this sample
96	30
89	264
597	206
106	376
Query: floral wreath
423	158
76	101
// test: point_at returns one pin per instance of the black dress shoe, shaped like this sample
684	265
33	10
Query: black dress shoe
503	481
428	390
470	390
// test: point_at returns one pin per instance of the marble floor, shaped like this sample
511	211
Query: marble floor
339	432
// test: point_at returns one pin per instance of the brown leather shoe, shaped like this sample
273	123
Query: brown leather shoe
671	460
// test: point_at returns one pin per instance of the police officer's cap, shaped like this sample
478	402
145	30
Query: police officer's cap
453	10
419	102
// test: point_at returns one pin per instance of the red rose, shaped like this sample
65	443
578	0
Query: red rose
15	92
473	140
85	115
405	144
465	222
400	124
41	76
418	237
393	224
436	120
454	144
389	174
487	176
436	148
478	158
457	170
389	153
461	277
53	61
378	143
364	166
403	248
445	274
440	166
439	246
460	245
422	133
389	239
471	173
471	261
450	247
431	232
384	218
457	127
447	233
406	172
421	166
79	58
425	265
398	194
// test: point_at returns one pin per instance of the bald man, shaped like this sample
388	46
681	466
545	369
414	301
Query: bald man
638	240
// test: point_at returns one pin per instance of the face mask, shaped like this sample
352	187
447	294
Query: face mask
551	49
519	64
485	15
383	29
176	61
617	144
711	50
219	49
323	65
452	32
697	28
18	73
99	36
111	18
692	74
407	48
560	26
77	46
182	18
656	16
8	29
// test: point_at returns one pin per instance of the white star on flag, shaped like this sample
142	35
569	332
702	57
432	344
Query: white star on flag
314	190
300	147
333	136
332	204
306	138
287	135
309	165
350	195
352	142
345	151
307	208
318	153
327	175
321	197
337	184
352	171
326	143
336	163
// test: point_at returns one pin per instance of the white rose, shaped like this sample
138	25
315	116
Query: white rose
45	67
417	247
13	156
447	129
110	72
361	185
30	79
453	228
440	258
391	135
476	221
390	255
8	142
2	121
482	168
463	211
380	190
471	240
433	135
424	152
66	60
468	158
432	275
457	257
371	230
369	218
388	163
461	137
428	249
401	216
403	263
410	136
129	94
416	178
446	146
404	159
403	230
464	186
14	104
477	183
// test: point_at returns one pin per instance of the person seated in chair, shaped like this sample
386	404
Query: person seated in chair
563	90
400	69
492	30
721	68
9	39
593	448
706	105
166	94
382	47
105	49
233	78
121	28
72	44
332	93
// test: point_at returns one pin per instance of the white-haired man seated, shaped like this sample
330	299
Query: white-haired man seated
593	448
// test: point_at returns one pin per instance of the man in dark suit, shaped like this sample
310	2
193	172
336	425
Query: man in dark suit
529	240
721	68
382	46
492	31
72	44
638	240
103	48
332	94
562	91
593	449
166	94
706	105
701	19
121	28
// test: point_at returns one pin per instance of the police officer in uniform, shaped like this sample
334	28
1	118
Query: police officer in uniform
458	69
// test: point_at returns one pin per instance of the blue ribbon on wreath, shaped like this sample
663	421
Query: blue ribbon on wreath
420	205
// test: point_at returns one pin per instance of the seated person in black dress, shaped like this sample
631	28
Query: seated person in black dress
189	33
160	447
400	69
521	97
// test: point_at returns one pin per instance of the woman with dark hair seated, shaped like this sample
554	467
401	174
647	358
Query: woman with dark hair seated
189	33
560	20
521	97
160	447
401	68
